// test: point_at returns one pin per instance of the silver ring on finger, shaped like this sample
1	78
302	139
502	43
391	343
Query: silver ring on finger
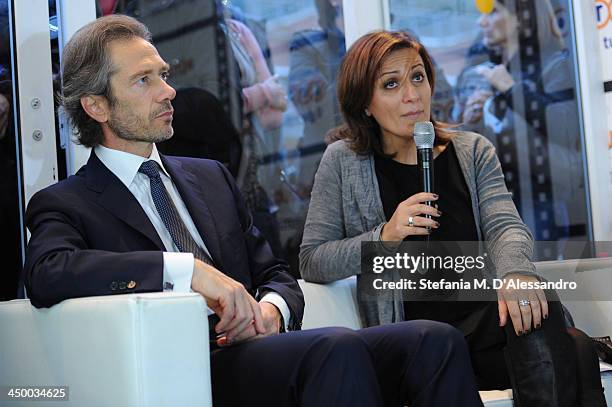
524	303
410	221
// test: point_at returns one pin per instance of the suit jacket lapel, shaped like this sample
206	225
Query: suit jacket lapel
118	200
192	194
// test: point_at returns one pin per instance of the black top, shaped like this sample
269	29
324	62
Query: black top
397	182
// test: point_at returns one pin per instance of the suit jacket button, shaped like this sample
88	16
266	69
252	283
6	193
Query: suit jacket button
113	286
131	284
122	285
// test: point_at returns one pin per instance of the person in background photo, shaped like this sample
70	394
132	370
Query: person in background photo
263	102
220	142
315	56
367	189
526	106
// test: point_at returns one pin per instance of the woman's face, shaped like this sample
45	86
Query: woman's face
402	94
497	26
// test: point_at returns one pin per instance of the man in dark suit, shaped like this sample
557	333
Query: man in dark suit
132	220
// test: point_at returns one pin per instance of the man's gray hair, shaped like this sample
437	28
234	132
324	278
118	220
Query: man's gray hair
87	69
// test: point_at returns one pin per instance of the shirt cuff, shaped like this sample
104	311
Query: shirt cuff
377	237
178	271
377	232
278	301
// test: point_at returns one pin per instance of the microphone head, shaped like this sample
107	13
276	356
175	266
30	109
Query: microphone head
424	135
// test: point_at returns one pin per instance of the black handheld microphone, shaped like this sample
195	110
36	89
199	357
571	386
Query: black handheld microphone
424	136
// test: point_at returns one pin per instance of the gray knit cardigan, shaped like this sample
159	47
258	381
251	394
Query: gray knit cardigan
346	209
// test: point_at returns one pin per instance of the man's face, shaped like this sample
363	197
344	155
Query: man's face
140	109
498	26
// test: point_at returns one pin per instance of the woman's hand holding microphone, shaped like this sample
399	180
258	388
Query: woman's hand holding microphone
409	218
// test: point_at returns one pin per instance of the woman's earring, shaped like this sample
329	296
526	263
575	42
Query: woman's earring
367	112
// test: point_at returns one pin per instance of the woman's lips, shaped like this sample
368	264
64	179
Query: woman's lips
413	114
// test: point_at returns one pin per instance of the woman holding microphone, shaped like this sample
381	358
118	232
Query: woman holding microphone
367	189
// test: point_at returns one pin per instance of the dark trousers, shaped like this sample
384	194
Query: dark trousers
416	363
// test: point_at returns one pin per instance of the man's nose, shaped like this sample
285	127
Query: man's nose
168	92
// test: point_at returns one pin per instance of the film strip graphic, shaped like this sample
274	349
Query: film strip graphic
508	156
228	76
535	101
535	116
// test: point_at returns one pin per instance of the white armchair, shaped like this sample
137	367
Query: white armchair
124	350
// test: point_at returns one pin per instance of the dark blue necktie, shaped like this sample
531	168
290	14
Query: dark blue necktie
169	215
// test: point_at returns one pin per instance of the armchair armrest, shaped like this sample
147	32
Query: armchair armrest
124	350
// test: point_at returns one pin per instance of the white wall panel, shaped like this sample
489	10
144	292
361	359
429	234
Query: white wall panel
36	118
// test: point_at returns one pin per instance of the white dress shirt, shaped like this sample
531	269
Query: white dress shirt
178	267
